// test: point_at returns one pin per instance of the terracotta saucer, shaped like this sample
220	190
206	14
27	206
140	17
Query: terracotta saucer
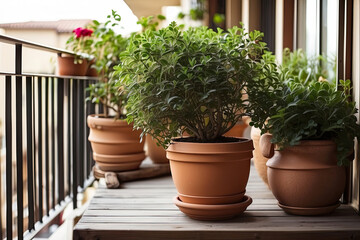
309	211
212	200
212	212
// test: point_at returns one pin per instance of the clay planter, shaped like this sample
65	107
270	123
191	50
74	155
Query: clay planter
305	178
90	71
237	130
210	173
67	67
156	153
258	158
116	146
212	212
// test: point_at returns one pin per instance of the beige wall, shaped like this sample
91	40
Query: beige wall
34	61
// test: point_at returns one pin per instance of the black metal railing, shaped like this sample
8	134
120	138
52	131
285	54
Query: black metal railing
48	158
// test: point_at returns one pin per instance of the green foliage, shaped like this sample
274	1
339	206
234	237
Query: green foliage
149	23
107	46
196	13
190	81
218	18
301	68
108	94
316	111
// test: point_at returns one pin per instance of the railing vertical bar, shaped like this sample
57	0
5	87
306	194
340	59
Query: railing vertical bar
53	162
19	141
60	127
81	140
34	81
92	110
87	130
8	139
47	156
75	150
69	136
29	154
40	149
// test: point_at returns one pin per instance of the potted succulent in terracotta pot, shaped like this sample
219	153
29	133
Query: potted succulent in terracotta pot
81	44
116	146
312	127
194	81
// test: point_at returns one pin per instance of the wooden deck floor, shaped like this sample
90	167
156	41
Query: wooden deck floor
144	210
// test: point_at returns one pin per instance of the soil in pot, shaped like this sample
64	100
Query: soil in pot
67	67
306	177
115	144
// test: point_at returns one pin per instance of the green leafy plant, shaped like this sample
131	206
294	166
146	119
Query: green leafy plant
316	111
107	46
150	22
80	42
191	81
304	69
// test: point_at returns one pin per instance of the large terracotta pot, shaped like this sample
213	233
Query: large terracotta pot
210	173
156	153
116	146
258	158
67	67
306	179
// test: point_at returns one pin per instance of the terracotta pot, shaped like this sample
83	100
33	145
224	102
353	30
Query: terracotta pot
237	130
115	144
258	158
156	153
67	67
212	212
92	72
305	179
210	173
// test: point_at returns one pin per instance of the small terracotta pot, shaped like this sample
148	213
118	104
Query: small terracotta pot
115	144
156	153
306	179
67	67
210	173
92	72
258	158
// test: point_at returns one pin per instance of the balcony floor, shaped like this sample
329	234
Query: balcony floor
144	210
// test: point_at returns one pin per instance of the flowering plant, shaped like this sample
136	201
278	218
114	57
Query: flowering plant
80	42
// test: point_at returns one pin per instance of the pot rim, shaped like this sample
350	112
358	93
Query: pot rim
94	120
212	148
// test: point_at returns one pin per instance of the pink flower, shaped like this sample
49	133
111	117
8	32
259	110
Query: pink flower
82	32
86	32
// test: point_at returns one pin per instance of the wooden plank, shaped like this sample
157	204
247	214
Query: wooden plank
144	210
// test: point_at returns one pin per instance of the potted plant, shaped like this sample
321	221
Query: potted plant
312	127
303	69
154	151
194	81
81	44
116	146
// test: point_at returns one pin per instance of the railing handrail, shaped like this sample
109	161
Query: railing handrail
29	44
49	75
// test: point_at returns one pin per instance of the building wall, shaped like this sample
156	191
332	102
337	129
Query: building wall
34	61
